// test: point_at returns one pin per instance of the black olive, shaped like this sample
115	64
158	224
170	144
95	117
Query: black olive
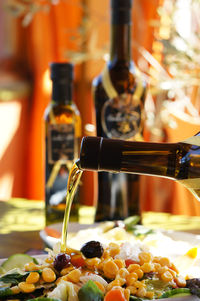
92	249
61	261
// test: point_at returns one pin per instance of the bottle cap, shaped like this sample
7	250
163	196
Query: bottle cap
99	153
61	71
121	4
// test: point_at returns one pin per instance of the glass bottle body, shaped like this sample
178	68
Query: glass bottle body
63	133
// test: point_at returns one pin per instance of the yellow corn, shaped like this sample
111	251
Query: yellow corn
127	294
48	275
31	266
132	289
141	292
26	287
147	267
65	271
112	284
15	289
166	276
33	277
149	295
92	262
123	272
110	269
140	273
74	276
114	249
133	267
131	278
144	257
164	261
120	263
100	286
180	281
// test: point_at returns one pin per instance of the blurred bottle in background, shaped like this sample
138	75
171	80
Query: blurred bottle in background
63	133
119	94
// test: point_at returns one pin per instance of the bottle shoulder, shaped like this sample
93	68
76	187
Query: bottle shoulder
66	112
123	76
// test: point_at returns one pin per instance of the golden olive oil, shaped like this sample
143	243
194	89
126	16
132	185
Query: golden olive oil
72	184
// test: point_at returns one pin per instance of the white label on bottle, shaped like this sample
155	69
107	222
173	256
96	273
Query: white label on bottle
121	117
60	142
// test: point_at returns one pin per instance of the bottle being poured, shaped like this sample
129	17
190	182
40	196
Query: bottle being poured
177	161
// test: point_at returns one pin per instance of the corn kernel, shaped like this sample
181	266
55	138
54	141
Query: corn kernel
164	261
31	266
127	294
180	281
74	276
131	278
139	284
114	249
112	284
65	271
132	289
26	287
92	262
110	269
147	267
100	286
145	257
33	277
166	276
123	272
15	289
120	263
48	275
133	267
141	292
149	295
140	273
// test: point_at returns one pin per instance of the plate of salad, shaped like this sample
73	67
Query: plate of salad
115	268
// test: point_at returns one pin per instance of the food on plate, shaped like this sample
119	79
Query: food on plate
96	272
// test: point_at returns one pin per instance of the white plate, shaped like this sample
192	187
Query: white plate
75	227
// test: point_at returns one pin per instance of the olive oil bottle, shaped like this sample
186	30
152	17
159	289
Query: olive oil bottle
177	161
63	134
119	94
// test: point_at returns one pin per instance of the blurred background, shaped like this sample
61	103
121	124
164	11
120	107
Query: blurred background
165	47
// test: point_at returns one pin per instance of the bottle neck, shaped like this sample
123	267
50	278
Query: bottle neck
62	92
120	49
127	156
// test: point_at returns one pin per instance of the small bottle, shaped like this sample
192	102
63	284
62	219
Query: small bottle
63	134
177	161
119	94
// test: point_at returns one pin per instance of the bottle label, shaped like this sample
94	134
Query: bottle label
122	115
60	142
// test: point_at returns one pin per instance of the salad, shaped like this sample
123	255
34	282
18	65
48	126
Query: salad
96	272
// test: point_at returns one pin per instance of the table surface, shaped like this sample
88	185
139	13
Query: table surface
22	220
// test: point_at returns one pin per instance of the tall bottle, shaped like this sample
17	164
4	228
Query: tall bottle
119	94
63	134
178	161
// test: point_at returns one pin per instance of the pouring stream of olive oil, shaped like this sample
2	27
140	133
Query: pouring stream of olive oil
72	184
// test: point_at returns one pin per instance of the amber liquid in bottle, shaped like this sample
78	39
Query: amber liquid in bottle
119	98
63	133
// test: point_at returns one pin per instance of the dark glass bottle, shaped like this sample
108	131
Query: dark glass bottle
63	134
178	161
119	94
